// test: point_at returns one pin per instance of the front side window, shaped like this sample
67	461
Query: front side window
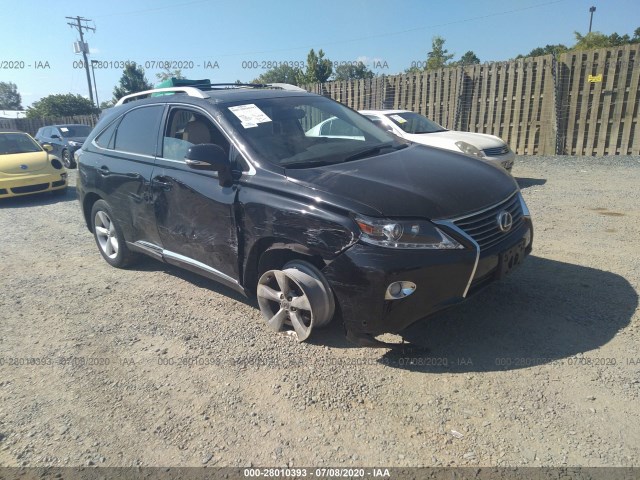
185	128
411	122
138	130
305	131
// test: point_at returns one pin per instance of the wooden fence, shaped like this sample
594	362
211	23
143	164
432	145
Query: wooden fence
31	125
579	103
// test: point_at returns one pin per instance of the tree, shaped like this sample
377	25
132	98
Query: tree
349	71
167	74
10	99
107	104
469	58
281	74
439	56
546	50
319	69
61	105
132	81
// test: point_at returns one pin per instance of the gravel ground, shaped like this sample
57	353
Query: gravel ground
540	369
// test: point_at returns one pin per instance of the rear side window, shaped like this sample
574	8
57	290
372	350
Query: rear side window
138	131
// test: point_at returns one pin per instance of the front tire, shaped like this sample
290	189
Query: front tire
296	298
67	161
109	237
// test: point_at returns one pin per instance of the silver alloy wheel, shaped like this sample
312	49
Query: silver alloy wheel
106	234
293	298
66	158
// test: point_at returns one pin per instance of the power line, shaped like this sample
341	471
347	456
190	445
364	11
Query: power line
81	25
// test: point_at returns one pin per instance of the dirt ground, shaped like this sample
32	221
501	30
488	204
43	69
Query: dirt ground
155	366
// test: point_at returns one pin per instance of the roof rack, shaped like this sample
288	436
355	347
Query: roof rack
199	93
282	86
191	91
286	86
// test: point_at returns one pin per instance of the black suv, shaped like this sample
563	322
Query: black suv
65	140
239	185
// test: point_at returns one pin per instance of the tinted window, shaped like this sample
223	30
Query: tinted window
138	130
105	139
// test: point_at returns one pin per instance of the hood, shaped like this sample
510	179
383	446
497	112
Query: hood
449	138
417	181
76	139
14	163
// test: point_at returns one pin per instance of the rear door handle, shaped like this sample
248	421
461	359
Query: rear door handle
104	171
155	183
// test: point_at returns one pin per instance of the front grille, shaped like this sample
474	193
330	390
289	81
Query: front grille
30	188
496	151
483	226
58	183
3	191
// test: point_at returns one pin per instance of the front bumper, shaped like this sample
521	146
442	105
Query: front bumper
30	184
360	277
505	161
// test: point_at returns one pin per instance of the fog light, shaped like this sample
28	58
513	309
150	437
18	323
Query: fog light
398	290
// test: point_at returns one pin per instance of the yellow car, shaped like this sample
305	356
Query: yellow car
26	167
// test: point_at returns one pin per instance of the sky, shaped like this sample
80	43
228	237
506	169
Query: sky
229	40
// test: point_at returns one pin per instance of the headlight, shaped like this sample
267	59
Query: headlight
75	144
404	234
469	149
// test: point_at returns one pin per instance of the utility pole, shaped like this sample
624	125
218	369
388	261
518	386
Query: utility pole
80	27
591	10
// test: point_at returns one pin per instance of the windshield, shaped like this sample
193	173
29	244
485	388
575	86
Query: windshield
306	131
414	123
11	143
69	131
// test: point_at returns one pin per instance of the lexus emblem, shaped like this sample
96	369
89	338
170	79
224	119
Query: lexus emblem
24	167
505	221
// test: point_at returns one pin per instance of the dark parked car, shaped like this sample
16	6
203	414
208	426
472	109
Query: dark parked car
65	140
233	184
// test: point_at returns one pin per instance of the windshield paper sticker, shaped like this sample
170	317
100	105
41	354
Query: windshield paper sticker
398	118
64	129
249	115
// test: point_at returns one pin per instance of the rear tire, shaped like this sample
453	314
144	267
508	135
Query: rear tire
109	238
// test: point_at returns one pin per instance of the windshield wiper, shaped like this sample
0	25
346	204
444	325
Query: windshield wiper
367	151
308	164
432	131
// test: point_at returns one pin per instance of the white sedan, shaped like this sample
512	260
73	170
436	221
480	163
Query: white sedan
419	129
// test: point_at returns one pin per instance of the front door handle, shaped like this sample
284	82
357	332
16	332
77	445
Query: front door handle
155	183
104	171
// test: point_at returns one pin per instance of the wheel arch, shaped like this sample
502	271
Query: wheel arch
272	253
87	205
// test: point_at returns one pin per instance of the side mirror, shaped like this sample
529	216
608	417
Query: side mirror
47	147
209	156
55	135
